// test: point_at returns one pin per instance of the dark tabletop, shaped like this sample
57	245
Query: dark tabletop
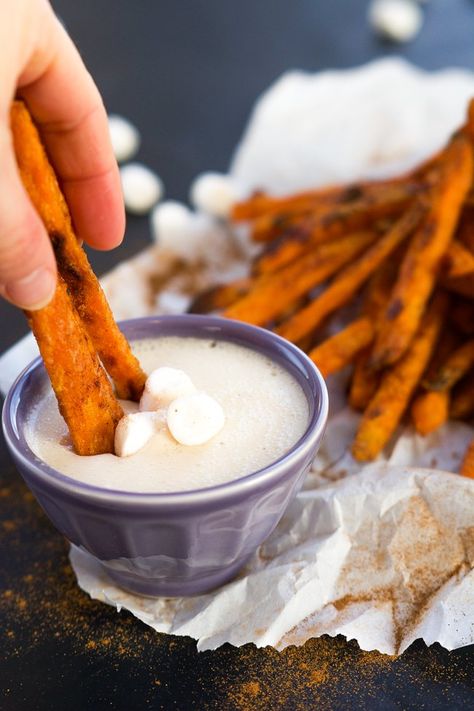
187	74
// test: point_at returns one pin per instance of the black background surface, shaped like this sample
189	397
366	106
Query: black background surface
187	72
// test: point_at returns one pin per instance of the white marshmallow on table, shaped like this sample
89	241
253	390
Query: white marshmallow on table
214	193
170	220
397	20
135	430
195	419
141	188
163	386
124	136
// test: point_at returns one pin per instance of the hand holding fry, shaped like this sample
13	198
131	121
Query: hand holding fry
40	63
76	332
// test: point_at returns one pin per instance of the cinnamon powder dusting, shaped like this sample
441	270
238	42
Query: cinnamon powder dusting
42	602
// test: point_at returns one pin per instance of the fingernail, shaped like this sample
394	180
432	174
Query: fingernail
33	291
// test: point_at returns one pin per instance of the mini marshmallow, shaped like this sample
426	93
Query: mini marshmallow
124	136
141	187
163	386
397	20
170	223
189	235
134	431
214	194
195	419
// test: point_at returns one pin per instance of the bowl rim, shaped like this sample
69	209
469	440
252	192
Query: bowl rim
313	432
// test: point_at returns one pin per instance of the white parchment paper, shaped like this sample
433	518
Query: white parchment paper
382	553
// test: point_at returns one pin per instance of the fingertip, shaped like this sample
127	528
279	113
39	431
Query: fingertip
97	209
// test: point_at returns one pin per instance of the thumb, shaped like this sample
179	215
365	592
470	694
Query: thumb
27	263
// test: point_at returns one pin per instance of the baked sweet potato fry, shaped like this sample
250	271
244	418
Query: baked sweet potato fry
272	294
42	186
350	199
83	390
339	350
430	410
269	227
365	379
347	283
419	267
261	203
397	385
221	296
338	220
453	369
467	466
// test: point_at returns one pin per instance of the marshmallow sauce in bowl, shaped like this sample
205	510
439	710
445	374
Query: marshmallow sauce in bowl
172	519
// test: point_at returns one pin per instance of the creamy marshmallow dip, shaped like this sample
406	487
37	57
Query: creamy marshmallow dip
266	413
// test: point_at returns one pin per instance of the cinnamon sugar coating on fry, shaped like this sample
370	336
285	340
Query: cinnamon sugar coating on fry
339	350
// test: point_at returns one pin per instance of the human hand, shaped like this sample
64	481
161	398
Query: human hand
39	62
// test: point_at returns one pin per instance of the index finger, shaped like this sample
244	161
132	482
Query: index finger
68	109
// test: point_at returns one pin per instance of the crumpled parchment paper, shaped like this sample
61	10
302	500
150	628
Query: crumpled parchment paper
382	553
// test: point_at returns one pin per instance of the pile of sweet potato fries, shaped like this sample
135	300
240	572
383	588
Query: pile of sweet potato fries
403	249
76	333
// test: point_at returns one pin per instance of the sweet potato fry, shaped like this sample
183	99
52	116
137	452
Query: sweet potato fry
339	350
283	250
263	204
269	227
338	220
453	369
419	267
272	294
467	466
462	400
260	203
41	184
85	396
221	296
346	284
397	384
365	379
430	410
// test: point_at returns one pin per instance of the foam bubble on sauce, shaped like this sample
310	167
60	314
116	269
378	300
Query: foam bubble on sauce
266	412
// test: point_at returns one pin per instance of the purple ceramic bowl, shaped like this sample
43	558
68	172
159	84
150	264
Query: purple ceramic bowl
182	543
